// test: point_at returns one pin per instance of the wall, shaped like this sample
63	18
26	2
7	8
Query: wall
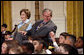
17	6
58	8
59	14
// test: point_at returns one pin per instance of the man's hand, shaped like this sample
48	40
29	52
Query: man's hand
52	35
23	32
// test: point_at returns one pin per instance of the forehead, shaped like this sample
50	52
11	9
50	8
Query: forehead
4	44
35	41
47	12
61	36
23	12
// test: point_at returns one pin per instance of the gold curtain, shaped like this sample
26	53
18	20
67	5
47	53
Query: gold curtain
6	14
75	18
37	17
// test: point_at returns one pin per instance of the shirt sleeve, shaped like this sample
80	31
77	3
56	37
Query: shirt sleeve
56	46
29	27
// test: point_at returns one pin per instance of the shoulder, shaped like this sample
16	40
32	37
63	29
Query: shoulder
51	24
39	21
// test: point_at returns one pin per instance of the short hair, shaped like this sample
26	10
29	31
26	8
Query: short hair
40	41
64	34
10	44
17	49
27	12
72	38
4	25
46	9
69	48
29	46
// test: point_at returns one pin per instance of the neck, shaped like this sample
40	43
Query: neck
45	21
24	20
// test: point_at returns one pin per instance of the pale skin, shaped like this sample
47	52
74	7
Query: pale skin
61	49
4	48
46	16
23	18
52	35
3	29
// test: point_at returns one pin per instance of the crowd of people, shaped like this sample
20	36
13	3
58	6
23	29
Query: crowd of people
38	38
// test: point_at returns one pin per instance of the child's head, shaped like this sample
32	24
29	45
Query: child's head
7	34
16	50
3	28
7	45
38	44
67	49
70	39
28	48
62	37
79	43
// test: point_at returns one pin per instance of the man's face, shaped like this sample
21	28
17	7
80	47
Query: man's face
46	15
79	43
68	40
36	45
61	39
3	29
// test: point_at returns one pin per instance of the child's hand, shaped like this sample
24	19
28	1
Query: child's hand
52	35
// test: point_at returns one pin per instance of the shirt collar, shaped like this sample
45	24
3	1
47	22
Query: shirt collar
26	21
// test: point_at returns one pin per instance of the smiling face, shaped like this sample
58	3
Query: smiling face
23	16
47	15
61	39
4	48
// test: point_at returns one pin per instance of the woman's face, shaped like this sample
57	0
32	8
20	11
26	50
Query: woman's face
23	16
4	48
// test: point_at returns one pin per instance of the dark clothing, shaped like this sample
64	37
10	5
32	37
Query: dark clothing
2	38
35	32
42	32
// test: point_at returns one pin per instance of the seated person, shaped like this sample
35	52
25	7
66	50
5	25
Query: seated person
28	48
24	25
8	36
39	46
42	28
79	45
67	49
3	30
70	39
16	50
62	37
7	45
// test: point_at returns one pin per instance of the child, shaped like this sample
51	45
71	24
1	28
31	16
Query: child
79	45
8	36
